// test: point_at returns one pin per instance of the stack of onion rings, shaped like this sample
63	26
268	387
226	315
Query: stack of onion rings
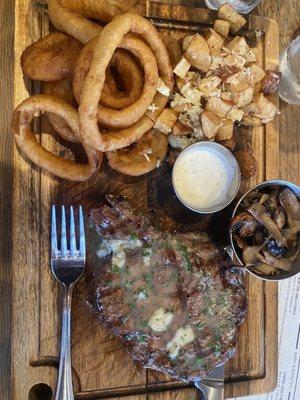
114	78
109	39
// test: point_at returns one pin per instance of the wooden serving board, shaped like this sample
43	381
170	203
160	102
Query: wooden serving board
102	369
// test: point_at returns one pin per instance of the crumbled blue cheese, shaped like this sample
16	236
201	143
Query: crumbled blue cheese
152	108
178	100
160	320
192	94
180	142
183	336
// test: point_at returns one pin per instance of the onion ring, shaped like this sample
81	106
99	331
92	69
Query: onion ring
51	58
126	66
71	19
109	39
28	144
63	90
111	118
146	155
133	80
103	10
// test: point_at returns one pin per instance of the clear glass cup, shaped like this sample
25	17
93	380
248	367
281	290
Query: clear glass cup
241	6
289	66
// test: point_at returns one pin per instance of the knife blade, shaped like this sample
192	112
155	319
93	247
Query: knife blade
212	386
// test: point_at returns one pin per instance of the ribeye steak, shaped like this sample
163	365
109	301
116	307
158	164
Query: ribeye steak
174	299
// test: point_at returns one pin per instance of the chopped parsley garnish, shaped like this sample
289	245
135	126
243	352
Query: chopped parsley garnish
200	325
115	269
148	277
142	338
217	348
127	283
132	305
199	362
132	235
185	255
146	252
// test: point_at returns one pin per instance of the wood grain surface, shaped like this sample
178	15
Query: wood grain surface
289	156
101	365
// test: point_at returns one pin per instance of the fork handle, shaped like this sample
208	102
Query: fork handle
64	387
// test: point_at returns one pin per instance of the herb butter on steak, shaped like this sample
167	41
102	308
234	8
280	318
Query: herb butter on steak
174	299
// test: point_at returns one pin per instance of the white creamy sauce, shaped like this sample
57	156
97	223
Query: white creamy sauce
183	336
160	320
202	177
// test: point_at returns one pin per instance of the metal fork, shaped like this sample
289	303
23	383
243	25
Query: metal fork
67	266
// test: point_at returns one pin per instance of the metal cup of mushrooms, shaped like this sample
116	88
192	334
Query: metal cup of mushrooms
265	230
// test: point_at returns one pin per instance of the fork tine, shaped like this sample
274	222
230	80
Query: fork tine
73	250
54	248
81	233
63	245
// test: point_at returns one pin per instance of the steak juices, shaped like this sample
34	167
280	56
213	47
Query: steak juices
206	177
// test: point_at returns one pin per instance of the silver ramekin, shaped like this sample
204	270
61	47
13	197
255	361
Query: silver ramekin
268	184
232	190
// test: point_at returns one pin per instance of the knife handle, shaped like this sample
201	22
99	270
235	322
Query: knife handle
211	393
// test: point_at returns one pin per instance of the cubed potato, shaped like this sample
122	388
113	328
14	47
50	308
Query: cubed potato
182	68
239	81
186	41
243	97
257	88
180	129
252	55
162	88
267	109
218	106
228	13
239	45
198	53
222	27
209	84
226	130
192	94
211	124
214	40
257	73
230	144
235	114
250	121
179	82
227	96
166	121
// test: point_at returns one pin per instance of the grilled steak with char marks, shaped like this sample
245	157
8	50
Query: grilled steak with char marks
174	299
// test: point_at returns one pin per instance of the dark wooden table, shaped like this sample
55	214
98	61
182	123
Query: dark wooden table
286	12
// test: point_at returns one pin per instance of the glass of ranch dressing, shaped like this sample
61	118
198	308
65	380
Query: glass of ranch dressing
206	177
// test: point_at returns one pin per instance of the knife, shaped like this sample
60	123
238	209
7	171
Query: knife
212	386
